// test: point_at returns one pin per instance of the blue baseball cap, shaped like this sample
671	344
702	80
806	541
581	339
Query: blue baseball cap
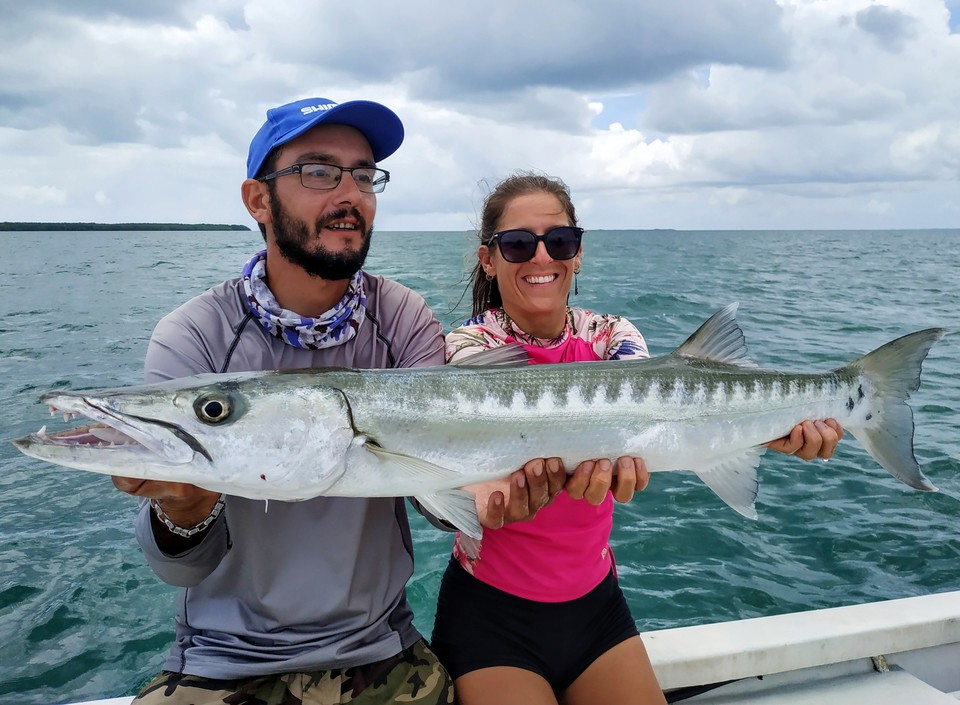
378	123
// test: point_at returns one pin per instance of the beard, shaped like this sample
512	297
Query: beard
292	236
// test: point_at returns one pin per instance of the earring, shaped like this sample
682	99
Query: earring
576	286
488	276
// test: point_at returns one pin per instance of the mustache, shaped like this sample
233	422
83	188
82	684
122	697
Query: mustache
328	218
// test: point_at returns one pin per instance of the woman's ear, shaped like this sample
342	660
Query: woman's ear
486	260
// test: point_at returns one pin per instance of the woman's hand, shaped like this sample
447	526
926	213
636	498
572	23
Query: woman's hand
810	439
530	489
593	478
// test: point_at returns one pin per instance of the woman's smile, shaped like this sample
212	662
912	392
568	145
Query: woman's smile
540	278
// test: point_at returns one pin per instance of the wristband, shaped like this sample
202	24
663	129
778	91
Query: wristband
187	533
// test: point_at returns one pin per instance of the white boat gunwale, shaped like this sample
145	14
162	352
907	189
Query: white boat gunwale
831	652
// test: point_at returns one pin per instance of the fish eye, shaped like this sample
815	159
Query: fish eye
213	408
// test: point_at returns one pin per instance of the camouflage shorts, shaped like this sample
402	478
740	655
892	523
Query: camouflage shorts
412	676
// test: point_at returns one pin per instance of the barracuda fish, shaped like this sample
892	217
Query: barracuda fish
427	432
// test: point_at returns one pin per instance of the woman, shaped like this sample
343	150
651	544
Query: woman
538	616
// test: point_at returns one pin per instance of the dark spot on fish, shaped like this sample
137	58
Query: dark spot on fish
859	392
869	416
263	477
849	403
522	437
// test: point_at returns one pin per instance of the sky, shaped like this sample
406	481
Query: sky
686	114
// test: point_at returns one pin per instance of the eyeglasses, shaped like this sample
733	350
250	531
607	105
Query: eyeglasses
324	177
516	246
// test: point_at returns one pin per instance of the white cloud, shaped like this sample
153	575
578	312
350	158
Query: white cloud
620	157
39	195
713	114
878	207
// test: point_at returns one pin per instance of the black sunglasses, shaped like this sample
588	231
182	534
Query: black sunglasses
516	246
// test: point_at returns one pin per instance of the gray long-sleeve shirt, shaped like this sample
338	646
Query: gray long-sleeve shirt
278	587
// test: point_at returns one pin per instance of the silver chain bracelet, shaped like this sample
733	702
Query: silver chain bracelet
187	533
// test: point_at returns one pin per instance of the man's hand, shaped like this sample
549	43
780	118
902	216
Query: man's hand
186	505
593	478
531	488
810	439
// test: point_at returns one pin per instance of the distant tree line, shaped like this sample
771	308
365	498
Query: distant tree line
8	226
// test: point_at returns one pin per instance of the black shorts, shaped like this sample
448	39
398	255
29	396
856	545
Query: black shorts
478	626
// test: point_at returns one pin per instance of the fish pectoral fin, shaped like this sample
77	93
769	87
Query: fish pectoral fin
456	507
509	354
470	546
409	464
734	479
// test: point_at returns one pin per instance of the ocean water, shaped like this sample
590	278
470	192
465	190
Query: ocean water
81	616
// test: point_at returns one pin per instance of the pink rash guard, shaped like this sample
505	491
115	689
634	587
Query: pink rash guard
564	552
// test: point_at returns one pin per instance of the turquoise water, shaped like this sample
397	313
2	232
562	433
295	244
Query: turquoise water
82	617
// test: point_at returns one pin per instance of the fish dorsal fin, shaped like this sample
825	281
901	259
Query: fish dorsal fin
509	354
719	339
734	479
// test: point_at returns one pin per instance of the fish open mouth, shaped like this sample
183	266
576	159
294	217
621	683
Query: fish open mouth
98	435
136	438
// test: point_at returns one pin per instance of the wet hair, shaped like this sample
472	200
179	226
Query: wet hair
486	293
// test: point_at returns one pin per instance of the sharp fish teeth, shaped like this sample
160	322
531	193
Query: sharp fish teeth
43	431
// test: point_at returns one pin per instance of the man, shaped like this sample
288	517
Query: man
301	602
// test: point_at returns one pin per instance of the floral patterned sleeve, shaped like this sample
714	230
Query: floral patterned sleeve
625	340
467	340
482	332
612	337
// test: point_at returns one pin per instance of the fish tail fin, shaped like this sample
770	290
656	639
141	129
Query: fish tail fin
894	370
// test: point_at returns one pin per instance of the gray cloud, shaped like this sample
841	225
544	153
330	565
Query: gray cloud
39	14
114	110
126	80
891	28
451	49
